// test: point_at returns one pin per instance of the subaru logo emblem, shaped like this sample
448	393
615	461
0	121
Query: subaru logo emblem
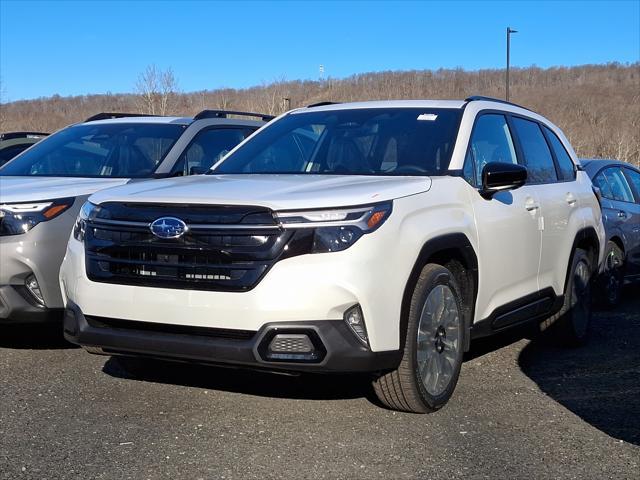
168	227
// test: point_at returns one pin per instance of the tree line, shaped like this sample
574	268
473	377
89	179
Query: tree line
597	106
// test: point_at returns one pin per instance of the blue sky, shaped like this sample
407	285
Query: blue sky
80	47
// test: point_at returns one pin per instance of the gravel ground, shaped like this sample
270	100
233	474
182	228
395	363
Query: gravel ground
522	409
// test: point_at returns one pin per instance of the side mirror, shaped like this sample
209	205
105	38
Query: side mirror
497	176
195	170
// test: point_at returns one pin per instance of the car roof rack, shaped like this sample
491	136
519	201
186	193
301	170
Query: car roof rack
322	104
111	115
11	135
225	113
476	98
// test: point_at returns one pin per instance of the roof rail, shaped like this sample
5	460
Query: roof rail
108	116
322	104
11	135
476	98
225	113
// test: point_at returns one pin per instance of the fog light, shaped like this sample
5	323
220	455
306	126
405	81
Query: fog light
34	288
291	346
355	320
291	342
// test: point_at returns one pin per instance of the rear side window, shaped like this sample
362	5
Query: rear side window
567	168
490	142
620	189
601	182
207	147
634	177
537	155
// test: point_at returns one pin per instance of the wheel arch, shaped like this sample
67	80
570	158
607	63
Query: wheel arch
586	239
619	242
455	252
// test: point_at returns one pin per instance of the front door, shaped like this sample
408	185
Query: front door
509	238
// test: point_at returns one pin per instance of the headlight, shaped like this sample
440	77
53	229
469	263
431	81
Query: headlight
19	218
337	229
89	211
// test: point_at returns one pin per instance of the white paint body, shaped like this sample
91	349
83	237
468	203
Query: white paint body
520	252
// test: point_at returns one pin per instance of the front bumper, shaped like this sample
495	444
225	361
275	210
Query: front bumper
38	252
16	306
321	287
338	349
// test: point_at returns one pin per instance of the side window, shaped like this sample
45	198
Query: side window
490	142
605	189
567	168
207	147
619	187
537	155
634	177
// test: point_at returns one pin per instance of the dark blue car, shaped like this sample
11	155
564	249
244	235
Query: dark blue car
619	185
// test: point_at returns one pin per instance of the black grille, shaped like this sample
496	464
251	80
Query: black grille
223	250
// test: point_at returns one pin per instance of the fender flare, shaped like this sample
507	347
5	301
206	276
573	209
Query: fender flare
452	241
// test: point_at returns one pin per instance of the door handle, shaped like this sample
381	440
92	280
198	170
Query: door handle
531	205
622	214
571	199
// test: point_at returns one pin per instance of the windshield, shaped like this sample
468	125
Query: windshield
125	150
372	141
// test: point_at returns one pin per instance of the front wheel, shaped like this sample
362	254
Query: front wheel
428	373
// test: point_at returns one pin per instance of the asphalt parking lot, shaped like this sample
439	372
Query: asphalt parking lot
523	409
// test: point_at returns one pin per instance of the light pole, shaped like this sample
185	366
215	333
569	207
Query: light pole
509	32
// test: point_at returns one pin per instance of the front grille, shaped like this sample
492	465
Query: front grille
232	254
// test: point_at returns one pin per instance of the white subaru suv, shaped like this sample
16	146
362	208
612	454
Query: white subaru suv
378	237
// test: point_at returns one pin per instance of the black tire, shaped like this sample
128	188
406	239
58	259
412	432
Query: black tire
571	323
613	276
404	389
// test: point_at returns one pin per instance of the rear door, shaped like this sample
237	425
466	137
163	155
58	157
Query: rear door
633	256
552	171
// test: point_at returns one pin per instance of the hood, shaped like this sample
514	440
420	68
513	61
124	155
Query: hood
277	192
33	189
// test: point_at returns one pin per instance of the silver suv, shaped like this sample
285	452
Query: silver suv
42	189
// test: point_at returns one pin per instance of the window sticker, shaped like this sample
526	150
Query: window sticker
429	117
